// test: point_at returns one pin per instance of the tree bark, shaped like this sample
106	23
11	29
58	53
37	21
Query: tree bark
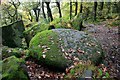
76	7
70	10
37	13
101	5
43	10
49	11
58	5
95	10
30	18
81	22
108	6
81	7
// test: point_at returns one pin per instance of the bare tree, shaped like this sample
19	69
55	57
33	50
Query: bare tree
81	7
14	15
37	11
76	7
70	9
49	11
43	10
101	5
95	10
58	5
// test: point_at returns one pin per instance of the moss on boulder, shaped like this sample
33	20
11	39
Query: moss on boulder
45	47
60	48
14	69
7	52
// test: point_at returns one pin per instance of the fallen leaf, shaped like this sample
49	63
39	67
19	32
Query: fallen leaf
43	55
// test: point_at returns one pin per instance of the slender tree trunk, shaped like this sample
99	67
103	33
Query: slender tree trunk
31	18
116	7
76	7
43	10
81	7
37	13
49	11
58	5
108	6
81	22
70	10
95	10
101	5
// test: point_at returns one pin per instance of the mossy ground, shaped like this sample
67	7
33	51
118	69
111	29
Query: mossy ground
12	70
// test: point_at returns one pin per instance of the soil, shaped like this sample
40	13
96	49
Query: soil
109	39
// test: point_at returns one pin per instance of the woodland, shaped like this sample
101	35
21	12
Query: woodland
55	39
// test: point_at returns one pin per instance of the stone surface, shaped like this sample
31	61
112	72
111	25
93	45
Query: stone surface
60	48
12	34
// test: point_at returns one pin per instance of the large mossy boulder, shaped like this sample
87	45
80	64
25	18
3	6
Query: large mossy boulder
14	69
12	34
60	48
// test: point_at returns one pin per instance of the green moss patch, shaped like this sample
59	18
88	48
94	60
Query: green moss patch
13	69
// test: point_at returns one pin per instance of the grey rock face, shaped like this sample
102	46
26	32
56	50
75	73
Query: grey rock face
12	34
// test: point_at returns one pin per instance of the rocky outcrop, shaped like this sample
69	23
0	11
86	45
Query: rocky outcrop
12	34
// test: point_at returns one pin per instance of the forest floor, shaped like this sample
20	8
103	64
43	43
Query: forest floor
109	39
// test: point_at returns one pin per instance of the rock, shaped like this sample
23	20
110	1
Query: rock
13	69
65	46
87	74
7	52
12	34
33	30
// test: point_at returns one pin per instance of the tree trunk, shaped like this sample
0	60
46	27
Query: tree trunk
49	11
58	5
70	10
116	7
81	25
37	13
43	10
108	6
31	18
81	7
76	7
95	10
81	22
101	5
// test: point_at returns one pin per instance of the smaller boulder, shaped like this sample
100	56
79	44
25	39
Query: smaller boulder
12	34
14	69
